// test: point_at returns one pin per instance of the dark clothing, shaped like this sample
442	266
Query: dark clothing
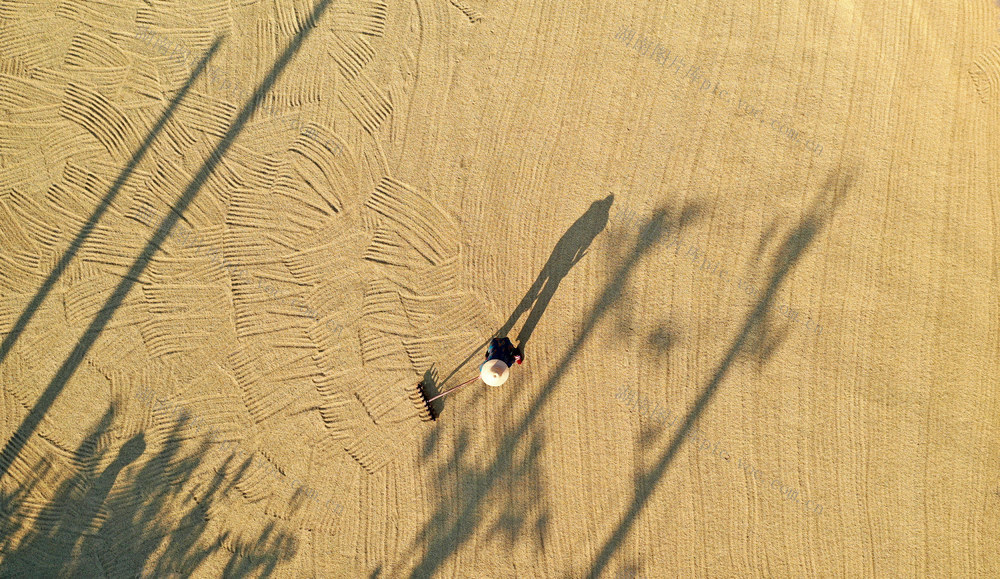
502	349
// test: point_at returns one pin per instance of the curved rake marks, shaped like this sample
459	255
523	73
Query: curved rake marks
422	222
986	74
364	17
366	103
99	117
471	13
352	53
88	50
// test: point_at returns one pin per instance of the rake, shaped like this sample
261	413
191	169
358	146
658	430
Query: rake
423	404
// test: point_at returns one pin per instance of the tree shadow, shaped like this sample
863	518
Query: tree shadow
752	340
103	206
132	517
504	497
630	571
93	331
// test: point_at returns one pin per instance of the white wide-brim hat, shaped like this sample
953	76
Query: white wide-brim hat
494	372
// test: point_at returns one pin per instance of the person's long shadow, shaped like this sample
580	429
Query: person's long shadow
570	249
90	335
750	337
457	517
124	521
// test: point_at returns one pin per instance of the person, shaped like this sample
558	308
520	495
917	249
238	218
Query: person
503	349
500	356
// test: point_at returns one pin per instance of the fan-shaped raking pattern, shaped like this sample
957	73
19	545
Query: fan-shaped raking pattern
423	223
366	103
362	17
91	50
986	75
352	53
101	118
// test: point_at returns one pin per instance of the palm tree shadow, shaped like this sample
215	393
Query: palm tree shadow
751	339
504	496
130	517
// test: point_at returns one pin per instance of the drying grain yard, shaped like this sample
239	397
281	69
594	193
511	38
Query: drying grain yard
750	253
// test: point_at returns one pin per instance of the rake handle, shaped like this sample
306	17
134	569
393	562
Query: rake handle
450	390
